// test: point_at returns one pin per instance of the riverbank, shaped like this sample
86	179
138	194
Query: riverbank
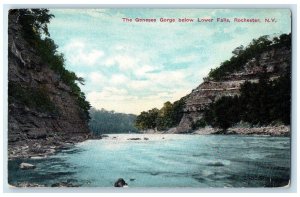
281	130
42	148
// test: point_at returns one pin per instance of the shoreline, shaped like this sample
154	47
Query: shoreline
39	149
281	130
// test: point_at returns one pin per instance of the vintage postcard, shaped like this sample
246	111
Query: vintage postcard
159	98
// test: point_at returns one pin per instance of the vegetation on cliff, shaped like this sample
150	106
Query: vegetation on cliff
262	103
35	31
166	117
242	55
36	98
104	122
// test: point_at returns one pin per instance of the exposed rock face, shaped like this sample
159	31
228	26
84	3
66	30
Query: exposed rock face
275	61
32	131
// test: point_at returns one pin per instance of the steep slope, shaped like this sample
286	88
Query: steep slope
274	61
43	112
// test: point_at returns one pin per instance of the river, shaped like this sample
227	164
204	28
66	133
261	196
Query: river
165	161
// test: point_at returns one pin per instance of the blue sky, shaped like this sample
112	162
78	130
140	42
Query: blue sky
133	67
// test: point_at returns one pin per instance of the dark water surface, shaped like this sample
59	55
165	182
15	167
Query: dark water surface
165	161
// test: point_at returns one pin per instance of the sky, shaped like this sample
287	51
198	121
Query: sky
134	67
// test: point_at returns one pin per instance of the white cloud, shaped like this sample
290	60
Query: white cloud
108	95
119	79
139	84
186	59
97	77
120	47
141	71
79	54
124	62
169	78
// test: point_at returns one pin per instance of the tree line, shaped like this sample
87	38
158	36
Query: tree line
243	54
161	119
104	122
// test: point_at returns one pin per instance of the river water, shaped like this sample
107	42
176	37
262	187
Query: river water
165	161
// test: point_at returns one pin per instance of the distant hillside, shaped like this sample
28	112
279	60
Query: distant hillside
104	122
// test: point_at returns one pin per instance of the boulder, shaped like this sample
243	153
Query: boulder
134	138
26	166
120	183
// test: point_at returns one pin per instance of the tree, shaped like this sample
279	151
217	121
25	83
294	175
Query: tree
164	119
224	112
147	120
168	116
34	22
238	50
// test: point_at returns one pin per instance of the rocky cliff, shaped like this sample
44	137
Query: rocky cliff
274	61
43	113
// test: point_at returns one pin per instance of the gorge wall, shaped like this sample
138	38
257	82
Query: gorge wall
43	113
274	61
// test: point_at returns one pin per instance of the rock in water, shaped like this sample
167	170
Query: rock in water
26	166
134	138
120	183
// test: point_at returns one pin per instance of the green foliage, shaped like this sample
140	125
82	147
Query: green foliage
242	55
168	116
104	122
30	97
164	119
260	103
201	123
35	30
267	101
147	120
34	22
224	112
